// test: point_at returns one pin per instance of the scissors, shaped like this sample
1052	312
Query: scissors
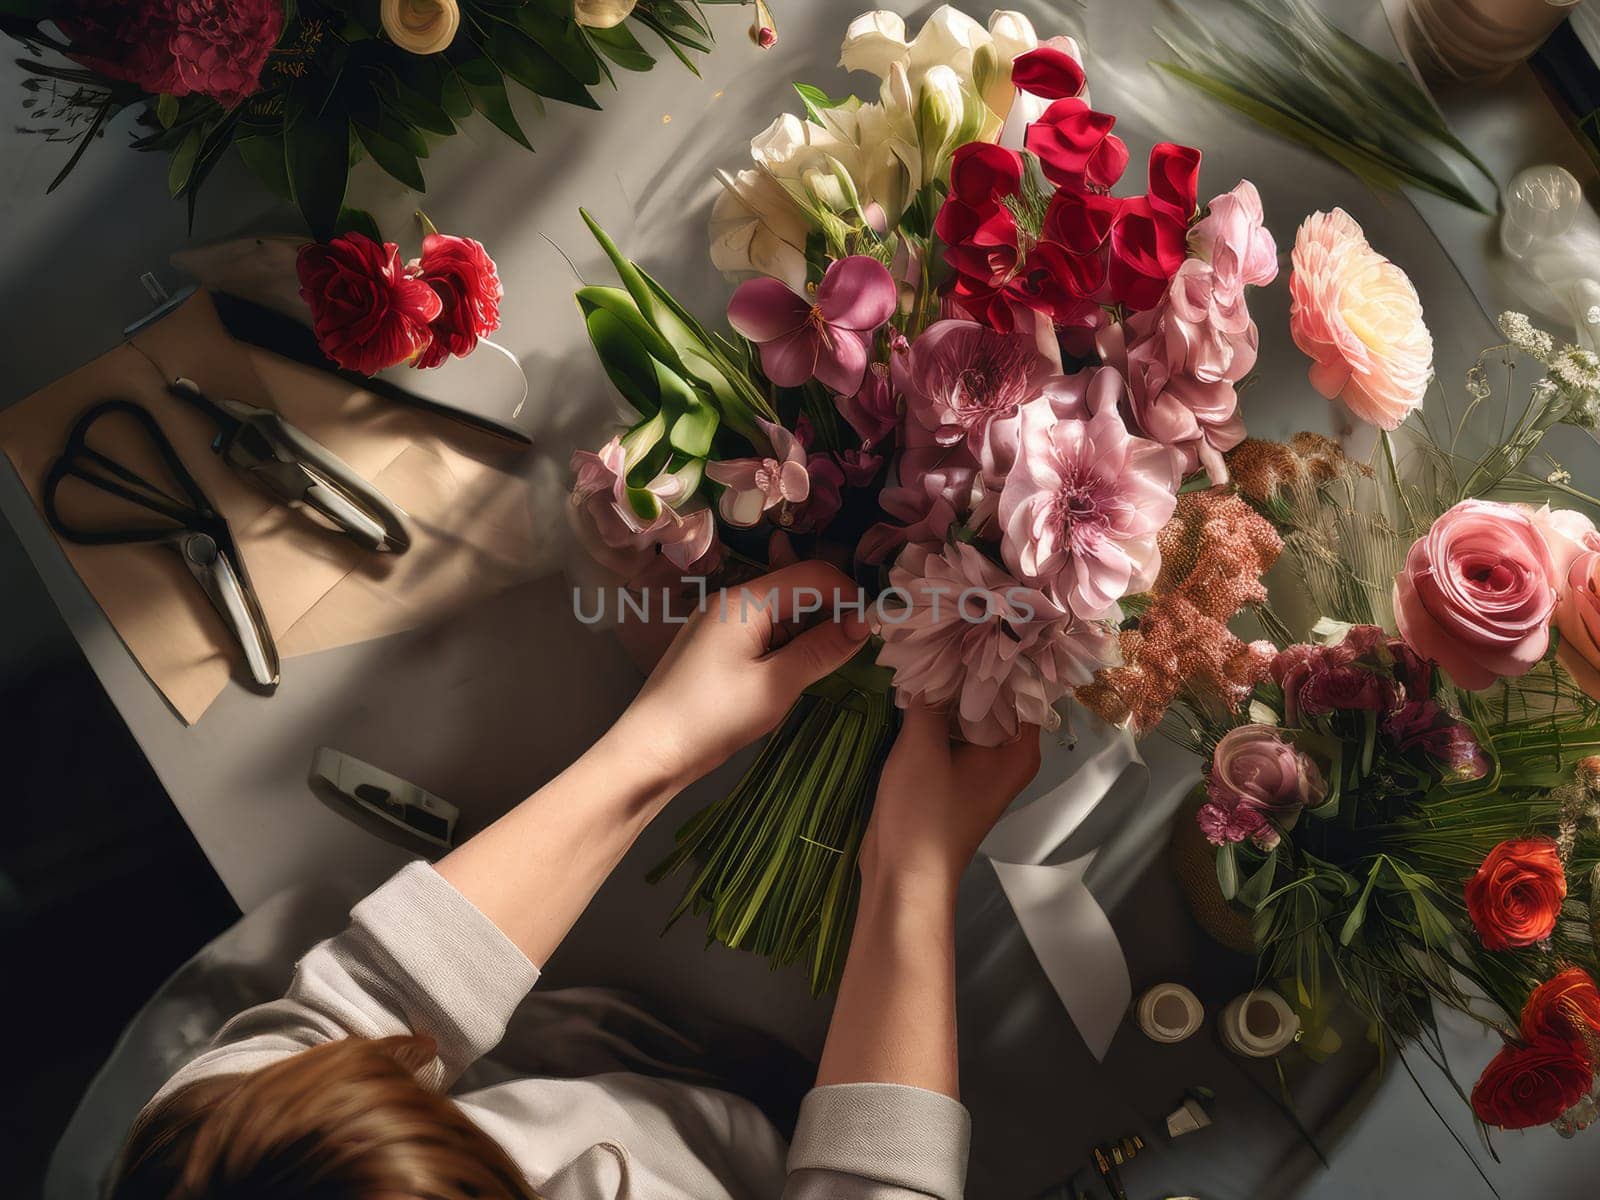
284	462
190	525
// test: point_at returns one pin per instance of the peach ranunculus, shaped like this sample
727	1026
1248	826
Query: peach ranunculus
1357	317
1475	593
1578	619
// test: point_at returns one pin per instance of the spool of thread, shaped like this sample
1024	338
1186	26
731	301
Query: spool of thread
1258	1024
1169	1012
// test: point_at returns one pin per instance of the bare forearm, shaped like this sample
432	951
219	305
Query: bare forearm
895	1018
534	871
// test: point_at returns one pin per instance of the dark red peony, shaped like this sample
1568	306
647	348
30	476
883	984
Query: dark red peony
1565	1006
368	311
1516	895
1533	1084
463	275
214	47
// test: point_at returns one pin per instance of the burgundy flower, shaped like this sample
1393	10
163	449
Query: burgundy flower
1345	688
860	467
464	276
873	410
214	47
367	310
822	503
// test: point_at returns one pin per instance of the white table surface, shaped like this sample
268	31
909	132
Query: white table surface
489	704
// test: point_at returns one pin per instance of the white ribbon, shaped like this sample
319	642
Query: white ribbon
1063	922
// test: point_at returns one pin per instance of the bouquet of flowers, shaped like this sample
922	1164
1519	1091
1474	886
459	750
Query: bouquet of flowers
1407	801
303	89
965	361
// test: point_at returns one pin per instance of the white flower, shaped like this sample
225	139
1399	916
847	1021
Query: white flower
1012	34
947	39
756	229
420	26
874	42
602	14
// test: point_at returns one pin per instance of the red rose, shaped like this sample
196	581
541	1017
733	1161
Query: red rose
367	310
214	47
1076	147
1517	893
464	276
1565	1006
1531	1085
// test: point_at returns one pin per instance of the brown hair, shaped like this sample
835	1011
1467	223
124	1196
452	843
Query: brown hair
342	1121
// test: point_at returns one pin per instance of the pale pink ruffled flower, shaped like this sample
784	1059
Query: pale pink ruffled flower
1232	238
1357	317
751	486
688	538
998	653
1081	508
1567	533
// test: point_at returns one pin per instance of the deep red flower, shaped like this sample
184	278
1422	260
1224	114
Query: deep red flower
1565	1006
1533	1084
1076	147
1516	895
1147	248
368	311
214	47
1047	72
1174	183
468	285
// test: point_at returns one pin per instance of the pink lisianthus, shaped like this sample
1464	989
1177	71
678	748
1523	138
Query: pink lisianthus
971	637
214	47
1357	317
754	485
1475	594
827	338
688	538
1080	510
1256	773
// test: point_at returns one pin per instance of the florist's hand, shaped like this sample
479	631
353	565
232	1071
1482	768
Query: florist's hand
938	799
736	667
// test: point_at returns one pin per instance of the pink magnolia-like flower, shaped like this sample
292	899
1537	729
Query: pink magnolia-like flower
964	382
1080	510
1254	769
828	337
972	637
1578	618
753	485
600	490
1475	595
214	47
1357	317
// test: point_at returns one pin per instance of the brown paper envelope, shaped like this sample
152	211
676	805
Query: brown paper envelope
472	530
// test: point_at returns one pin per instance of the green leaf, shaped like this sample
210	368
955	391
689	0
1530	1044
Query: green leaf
626	362
530	64
1358	913
317	155
167	109
621	47
818	101
639	441
486	88
694	422
1228	871
393	158
1254	890
563	40
181	167
263	155
358	220
416	108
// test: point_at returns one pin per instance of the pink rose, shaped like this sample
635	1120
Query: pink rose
1475	596
1357	317
1254	767
1578	618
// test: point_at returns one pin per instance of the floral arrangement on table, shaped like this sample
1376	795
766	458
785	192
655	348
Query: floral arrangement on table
968	363
1407	801
302	89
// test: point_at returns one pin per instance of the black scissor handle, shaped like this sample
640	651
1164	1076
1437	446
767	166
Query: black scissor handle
81	461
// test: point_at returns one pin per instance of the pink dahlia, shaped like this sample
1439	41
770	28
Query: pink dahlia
1080	510
973	638
214	47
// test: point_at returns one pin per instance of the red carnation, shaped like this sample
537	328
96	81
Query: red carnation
468	285
1532	1085
368	311
214	47
1516	895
